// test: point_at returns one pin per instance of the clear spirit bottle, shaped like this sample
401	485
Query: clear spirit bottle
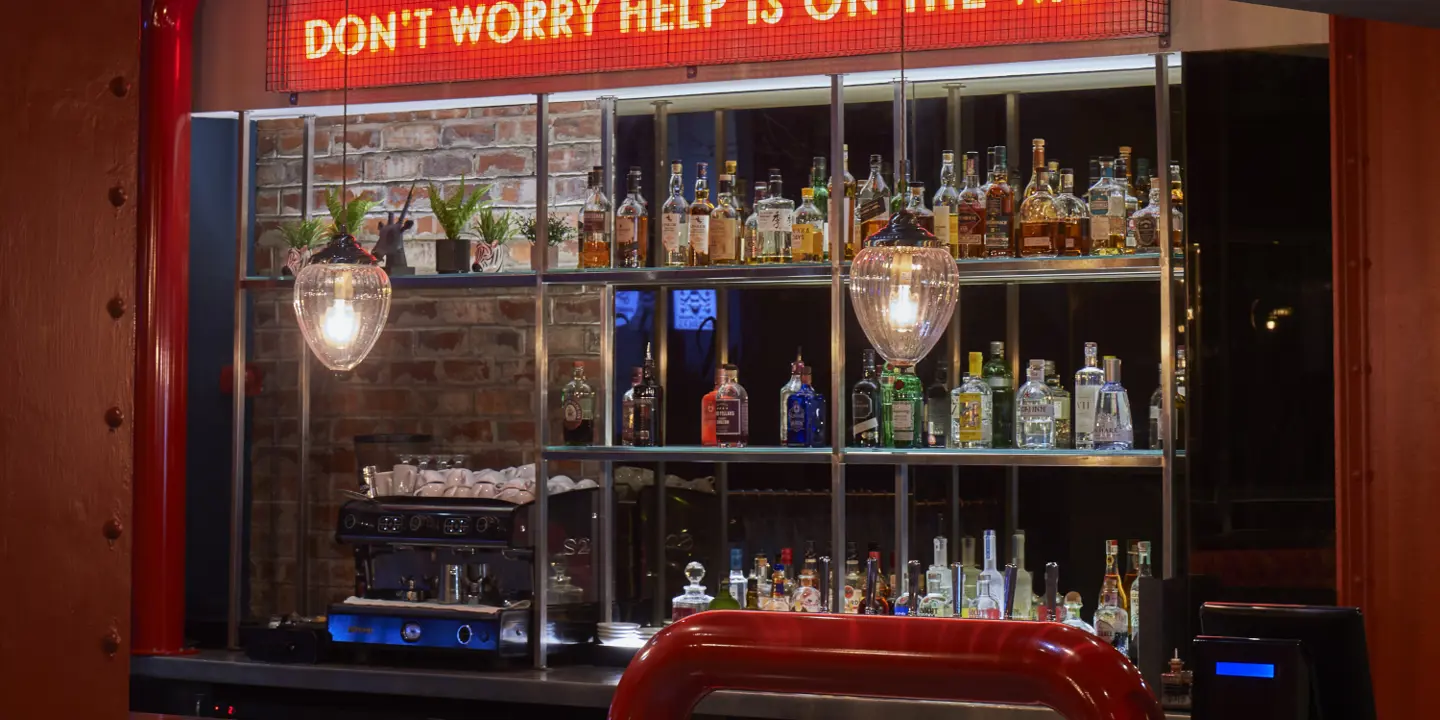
854	581
594	222
972	572
1024	581
872	206
1112	573
1063	426
1073	616
750	242
762	575
1132	205
694	600
820	190
732	411
986	607
707	410
991	575
725	226
1074	218
939	595
1088	381
865	406
937	408
1147	223
777	215
697	231
1040	231
737	576
969	219
848	229
1144	572
577	407
674	248
1112	623
1035	411
947	206
971	425
1107	212
999	208
1113	430
923	217
904	410
649	405
1002	394
807	234
632	226
797	369
627	409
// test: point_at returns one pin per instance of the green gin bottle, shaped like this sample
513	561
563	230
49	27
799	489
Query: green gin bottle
1002	388
904	408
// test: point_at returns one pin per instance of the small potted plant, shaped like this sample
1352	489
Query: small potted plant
301	236
452	255
557	231
494	228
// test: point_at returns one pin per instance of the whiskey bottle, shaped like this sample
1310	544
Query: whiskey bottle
937	408
1177	188
1063	427
1040	230
698	220
632	226
865	406
947	206
1132	205
674	228
1143	178
1125	168
923	217
819	189
848	226
1147	224
1039	178
1088	381
1094	175
797	369
904	414
732	410
969	225
872	206
807	234
970	413
1113	430
901	196
1107	212
1002	395
577	407
750	244
999	206
627	409
1035	411
1054	167
777	215
649	406
594	221
1074	218
737	189
724	226
708	411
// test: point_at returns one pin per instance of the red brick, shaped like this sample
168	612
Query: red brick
444	402
576	127
518	310
516	431
465	371
477	431
412	371
520	131
503	111
453	163
494	163
498	342
440	342
412	312
584	309
412	136
265	314
514	372
450	113
392	166
395	196
344	430
329	169
361	140
469	133
502	402
278	124
467	311
572	340
266	144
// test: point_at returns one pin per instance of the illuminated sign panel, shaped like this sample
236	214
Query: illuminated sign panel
314	44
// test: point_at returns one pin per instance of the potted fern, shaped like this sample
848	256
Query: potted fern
494	228
300	236
557	231
346	218
452	255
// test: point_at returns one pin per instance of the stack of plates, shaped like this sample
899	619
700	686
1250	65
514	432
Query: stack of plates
617	633
645	633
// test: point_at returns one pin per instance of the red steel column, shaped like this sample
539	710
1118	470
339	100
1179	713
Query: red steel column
988	661
162	316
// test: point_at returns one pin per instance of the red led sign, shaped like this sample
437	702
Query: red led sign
327	44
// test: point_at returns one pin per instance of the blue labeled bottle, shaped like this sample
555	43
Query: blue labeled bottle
802	412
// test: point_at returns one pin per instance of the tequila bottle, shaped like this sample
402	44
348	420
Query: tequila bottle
797	369
674	227
854	581
732	411
1073	617
750	242
1113	430
820	190
707	410
632	226
999	206
872	206
992	575
1144	572
865	406
1024	581
938	592
737	577
1088	381
1040	229
1002	389
947	206
903	410
577	407
1063	426
594	224
725	226
1074	218
649	406
1107	212
968	236
627	409
806	595
1122	179
971	425
807	234
1148	226
851	242
937	408
923	217
1035	411
697	231
777	215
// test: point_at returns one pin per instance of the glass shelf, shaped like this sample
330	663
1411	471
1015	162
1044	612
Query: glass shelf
789	274
690	453
1005	458
436	282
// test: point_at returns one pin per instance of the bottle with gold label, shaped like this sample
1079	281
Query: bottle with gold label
999	206
632	226
946	206
750	240
807	234
969	233
674	228
1038	176
698	220
594	225
1040	229
724	238
971	405
1074	218
847	218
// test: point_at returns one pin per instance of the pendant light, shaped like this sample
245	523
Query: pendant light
904	287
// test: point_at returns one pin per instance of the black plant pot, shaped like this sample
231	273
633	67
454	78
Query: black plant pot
452	256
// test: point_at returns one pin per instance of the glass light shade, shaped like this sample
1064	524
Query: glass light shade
904	287
342	298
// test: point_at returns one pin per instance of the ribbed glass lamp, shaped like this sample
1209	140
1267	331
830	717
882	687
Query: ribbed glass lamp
342	299
904	286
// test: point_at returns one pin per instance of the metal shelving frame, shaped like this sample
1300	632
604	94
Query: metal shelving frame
1012	273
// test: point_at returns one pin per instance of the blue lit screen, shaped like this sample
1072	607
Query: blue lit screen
693	308
1240	669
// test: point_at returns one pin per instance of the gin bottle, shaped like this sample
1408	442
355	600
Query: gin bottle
1063	437
904	410
1088	381
805	411
1035	411
947	206
674	224
577	405
632	226
970	410
1002	389
1024	581
797	369
732	411
750	240
1113	430
991	575
777	216
937	408
865	406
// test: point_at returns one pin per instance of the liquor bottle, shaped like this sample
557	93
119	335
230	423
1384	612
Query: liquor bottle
1094	176
1063	427
737	190
1143	178
763	578
1054	167
1113	430
990	573
1144	572
1074	218
649	406
872	205
779	590
1041	233
1122	172
1132	569
1125	168
1024	581
632	226
972	572
594	217
970	410
752	593
777	215
806	595
986	607
1107	212
999	206
737	577
1112	623
1088	381
947	206
707	410
800	409
903	411
853	581
1039	176
969	218
725	598
923	217
627	409
797	369
848	227
732	411
874	602
807	233
939	595
1147	224
697	231
820	189
674	227
887	395
577	405
901	196
1002	396
865	406
725	226
750	242
1073	617
1112	573
937	408
1177	188
694	600
1035	411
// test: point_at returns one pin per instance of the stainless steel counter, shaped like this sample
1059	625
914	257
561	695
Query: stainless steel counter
582	686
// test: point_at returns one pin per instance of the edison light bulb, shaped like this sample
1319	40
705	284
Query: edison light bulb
340	325
341	300
903	309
